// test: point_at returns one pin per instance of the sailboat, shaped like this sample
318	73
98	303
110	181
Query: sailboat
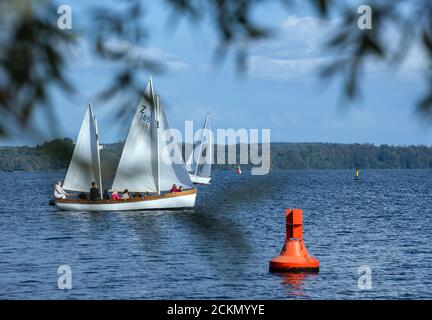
142	169
200	169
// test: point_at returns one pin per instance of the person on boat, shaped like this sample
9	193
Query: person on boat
180	189
59	193
115	195
174	189
94	192
106	195
82	196
125	195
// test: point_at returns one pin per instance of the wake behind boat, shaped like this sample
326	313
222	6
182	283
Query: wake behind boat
141	170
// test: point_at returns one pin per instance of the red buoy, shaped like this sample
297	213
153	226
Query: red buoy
294	256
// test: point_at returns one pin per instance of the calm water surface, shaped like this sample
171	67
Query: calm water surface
221	249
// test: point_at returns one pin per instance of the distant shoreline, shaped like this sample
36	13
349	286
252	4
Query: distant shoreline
245	171
55	156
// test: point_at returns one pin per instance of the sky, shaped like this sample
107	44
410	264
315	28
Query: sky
280	91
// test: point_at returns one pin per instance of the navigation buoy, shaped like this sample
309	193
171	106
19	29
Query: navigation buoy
238	170
357	173
294	256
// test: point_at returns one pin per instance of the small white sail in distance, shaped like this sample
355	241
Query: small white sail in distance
84	167
204	169
141	168
202	166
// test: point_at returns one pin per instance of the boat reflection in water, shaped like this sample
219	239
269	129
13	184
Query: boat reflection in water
294	283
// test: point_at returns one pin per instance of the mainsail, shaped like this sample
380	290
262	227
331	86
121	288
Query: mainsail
200	160
84	167
140	168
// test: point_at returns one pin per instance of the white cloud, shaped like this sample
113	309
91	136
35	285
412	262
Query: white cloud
294	51
166	59
283	69
83	53
298	50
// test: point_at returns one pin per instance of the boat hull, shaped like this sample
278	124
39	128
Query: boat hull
199	180
178	200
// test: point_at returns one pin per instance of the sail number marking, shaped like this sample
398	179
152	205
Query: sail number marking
145	114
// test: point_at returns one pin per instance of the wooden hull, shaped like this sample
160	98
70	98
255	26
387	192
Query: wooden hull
199	180
178	200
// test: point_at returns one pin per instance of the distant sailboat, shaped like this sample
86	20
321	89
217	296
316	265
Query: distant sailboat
238	171
200	169
141	169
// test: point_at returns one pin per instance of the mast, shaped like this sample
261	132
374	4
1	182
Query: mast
158	143
155	100
98	148
156	104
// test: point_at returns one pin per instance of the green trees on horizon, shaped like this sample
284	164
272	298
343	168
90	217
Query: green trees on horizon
349	156
51	155
56	154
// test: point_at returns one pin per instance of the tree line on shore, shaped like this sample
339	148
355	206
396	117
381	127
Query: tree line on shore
56	154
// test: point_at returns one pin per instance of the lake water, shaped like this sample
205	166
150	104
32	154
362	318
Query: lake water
221	249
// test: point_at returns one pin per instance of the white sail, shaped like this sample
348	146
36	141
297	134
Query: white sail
206	154
84	167
174	171
138	163
190	167
192	162
140	168
200	160
96	152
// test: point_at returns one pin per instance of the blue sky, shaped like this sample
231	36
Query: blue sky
281	90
